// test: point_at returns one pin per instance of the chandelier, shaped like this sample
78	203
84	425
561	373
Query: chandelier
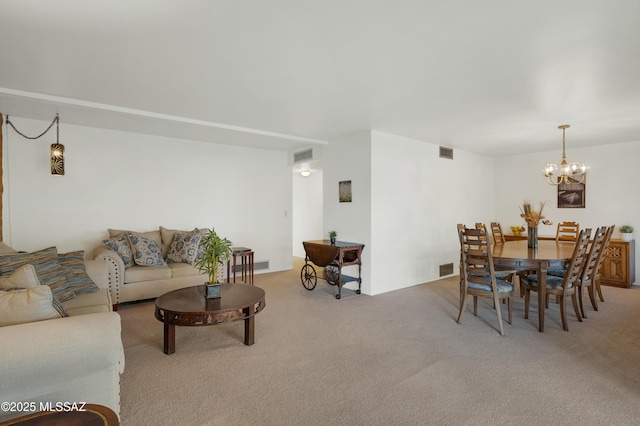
569	172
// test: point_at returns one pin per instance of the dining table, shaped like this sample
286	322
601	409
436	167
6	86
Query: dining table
548	255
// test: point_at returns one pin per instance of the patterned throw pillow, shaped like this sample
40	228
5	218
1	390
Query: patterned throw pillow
73	266
184	248
120	245
47	268
203	233
145	251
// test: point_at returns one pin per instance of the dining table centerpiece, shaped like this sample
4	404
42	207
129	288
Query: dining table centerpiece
533	218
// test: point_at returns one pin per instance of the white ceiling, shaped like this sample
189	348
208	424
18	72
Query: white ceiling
493	76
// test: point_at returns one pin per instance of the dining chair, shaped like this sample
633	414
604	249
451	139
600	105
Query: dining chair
479	275
511	275
605	248
561	287
496	230
567	231
461	227
590	269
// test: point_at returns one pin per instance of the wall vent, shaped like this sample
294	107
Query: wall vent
446	152
305	155
446	269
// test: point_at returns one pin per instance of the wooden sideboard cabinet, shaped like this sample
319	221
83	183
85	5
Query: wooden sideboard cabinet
619	268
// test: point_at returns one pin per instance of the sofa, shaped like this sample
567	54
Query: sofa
66	351
145	265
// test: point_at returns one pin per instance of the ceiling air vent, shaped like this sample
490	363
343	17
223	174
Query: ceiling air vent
446	152
305	155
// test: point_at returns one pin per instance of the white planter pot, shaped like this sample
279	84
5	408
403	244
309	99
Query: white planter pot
627	236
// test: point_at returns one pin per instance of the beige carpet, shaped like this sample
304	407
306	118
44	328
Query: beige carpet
393	359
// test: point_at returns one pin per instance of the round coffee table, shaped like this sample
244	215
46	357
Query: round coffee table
188	307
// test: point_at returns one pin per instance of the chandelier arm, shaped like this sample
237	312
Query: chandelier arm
550	181
568	171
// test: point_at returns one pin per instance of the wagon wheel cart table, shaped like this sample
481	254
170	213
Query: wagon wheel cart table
331	257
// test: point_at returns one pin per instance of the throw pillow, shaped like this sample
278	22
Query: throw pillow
23	277
73	266
47	268
145	251
152	235
184	248
27	305
167	239
203	233
121	246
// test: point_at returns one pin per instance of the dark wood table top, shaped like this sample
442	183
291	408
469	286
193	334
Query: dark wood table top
339	244
189	306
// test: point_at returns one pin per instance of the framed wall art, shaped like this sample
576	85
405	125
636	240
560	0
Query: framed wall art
344	191
571	195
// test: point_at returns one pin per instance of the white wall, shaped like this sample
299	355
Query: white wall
347	159
406	204
406	200
417	200
140	182
612	195
307	209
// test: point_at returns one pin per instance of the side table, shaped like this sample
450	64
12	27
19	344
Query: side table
246	263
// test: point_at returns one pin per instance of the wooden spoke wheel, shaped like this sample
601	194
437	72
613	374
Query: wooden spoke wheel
308	277
331	274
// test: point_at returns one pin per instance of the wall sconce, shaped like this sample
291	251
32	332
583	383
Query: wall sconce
57	149
57	159
305	172
57	152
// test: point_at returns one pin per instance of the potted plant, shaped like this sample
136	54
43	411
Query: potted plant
627	232
332	236
216	251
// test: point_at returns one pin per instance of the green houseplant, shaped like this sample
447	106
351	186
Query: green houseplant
216	251
626	231
332	236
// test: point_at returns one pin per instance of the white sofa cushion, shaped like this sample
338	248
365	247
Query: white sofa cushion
146	273
27	305
23	277
89	303
179	270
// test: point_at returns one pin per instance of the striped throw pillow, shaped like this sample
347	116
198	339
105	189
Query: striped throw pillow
47	268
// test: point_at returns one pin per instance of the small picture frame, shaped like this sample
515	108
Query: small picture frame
344	191
572	195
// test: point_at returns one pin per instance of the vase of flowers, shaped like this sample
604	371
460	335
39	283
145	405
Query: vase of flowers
533	218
